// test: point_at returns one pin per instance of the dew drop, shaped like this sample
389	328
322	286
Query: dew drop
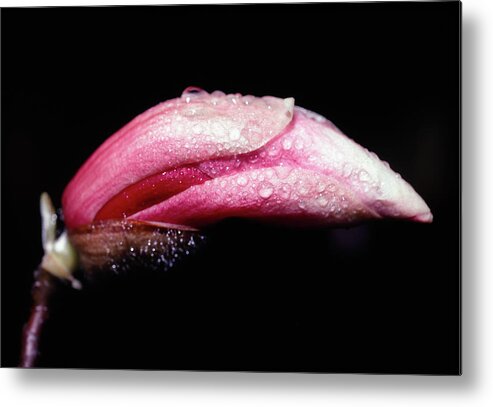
192	92
285	191
252	134
303	189
242	181
218	93
364	176
346	170
234	134
248	100
265	190
287	143
282	172
322	201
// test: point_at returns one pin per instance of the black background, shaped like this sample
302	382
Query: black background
382	297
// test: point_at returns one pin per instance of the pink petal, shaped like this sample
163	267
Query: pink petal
150	191
311	174
193	128
201	158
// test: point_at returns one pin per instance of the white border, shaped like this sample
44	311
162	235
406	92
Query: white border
474	388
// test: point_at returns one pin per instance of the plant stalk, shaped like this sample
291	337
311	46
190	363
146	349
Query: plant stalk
43	288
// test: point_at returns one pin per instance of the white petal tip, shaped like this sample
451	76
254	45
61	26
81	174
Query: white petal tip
426	217
289	104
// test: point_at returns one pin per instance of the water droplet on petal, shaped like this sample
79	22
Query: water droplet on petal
192	92
242	180
322	201
303	189
234	134
265	190
287	143
269	172
364	176
285	191
282	172
248	99
346	170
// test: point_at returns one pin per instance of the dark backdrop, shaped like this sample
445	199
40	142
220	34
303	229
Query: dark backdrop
382	297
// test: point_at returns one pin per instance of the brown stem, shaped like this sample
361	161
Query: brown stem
42	289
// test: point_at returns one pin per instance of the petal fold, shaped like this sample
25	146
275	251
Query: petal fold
195	127
204	157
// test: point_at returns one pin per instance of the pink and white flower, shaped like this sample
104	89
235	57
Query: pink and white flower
202	157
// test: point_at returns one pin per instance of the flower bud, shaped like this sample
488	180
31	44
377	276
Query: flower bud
201	158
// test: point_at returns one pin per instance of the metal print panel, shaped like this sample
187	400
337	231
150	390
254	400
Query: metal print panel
247	187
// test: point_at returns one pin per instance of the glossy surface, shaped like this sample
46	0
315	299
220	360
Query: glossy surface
204	157
381	297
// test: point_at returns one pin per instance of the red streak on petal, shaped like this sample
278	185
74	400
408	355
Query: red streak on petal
150	191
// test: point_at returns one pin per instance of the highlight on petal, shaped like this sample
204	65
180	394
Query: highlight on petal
203	157
190	129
